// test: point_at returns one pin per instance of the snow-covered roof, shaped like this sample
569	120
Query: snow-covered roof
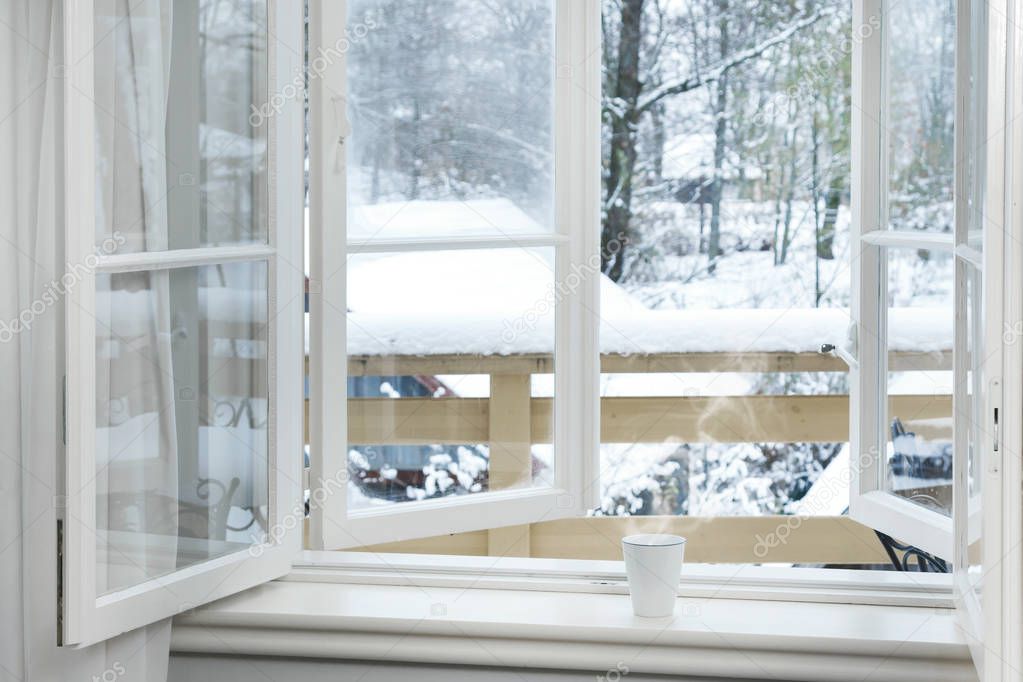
384	332
409	219
499	301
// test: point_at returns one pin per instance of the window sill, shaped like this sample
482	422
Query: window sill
323	611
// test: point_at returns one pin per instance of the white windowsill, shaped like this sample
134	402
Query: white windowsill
537	614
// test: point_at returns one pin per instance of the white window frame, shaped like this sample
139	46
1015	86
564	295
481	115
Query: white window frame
86	616
577	178
991	620
869	502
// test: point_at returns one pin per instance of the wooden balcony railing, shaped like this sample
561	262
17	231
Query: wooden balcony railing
511	419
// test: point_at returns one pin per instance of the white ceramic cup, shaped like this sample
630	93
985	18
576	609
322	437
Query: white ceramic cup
653	567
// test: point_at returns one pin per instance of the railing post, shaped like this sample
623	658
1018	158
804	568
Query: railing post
511	460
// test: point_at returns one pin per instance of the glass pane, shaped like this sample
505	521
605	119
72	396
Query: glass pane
182	120
919	385
734	199
181	418
919	113
450	386
720	443
451	112
975	161
971	418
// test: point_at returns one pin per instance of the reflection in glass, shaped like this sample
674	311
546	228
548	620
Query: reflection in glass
181	418
182	120
919	113
919	385
446	352
971	418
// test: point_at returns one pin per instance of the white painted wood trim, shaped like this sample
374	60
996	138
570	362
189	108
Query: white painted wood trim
512	241
453	514
732	638
328	376
870	503
910	240
1003	513
866	205
971	255
181	258
88	617
722	581
577	182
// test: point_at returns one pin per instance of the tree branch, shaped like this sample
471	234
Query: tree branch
695	81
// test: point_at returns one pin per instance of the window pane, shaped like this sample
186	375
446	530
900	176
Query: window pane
919	113
919	384
181	115
972	418
451	109
450	359
181	418
975	162
725	248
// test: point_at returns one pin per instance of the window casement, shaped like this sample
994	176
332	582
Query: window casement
543	234
183	311
890	441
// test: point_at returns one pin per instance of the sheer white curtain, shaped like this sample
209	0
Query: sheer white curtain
31	324
137	453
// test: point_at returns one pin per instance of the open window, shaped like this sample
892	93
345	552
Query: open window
494	427
913	246
183	311
933	472
987	473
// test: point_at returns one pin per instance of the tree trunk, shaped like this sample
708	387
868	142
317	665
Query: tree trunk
720	128
832	200
790	195
615	234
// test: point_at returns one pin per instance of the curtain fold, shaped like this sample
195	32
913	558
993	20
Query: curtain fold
137	477
31	330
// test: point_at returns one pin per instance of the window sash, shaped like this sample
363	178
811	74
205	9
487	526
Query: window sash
88	617
869	502
574	239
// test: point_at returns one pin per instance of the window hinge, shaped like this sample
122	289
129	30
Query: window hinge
60	582
63	411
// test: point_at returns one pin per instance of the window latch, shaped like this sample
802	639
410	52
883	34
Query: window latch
840	353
